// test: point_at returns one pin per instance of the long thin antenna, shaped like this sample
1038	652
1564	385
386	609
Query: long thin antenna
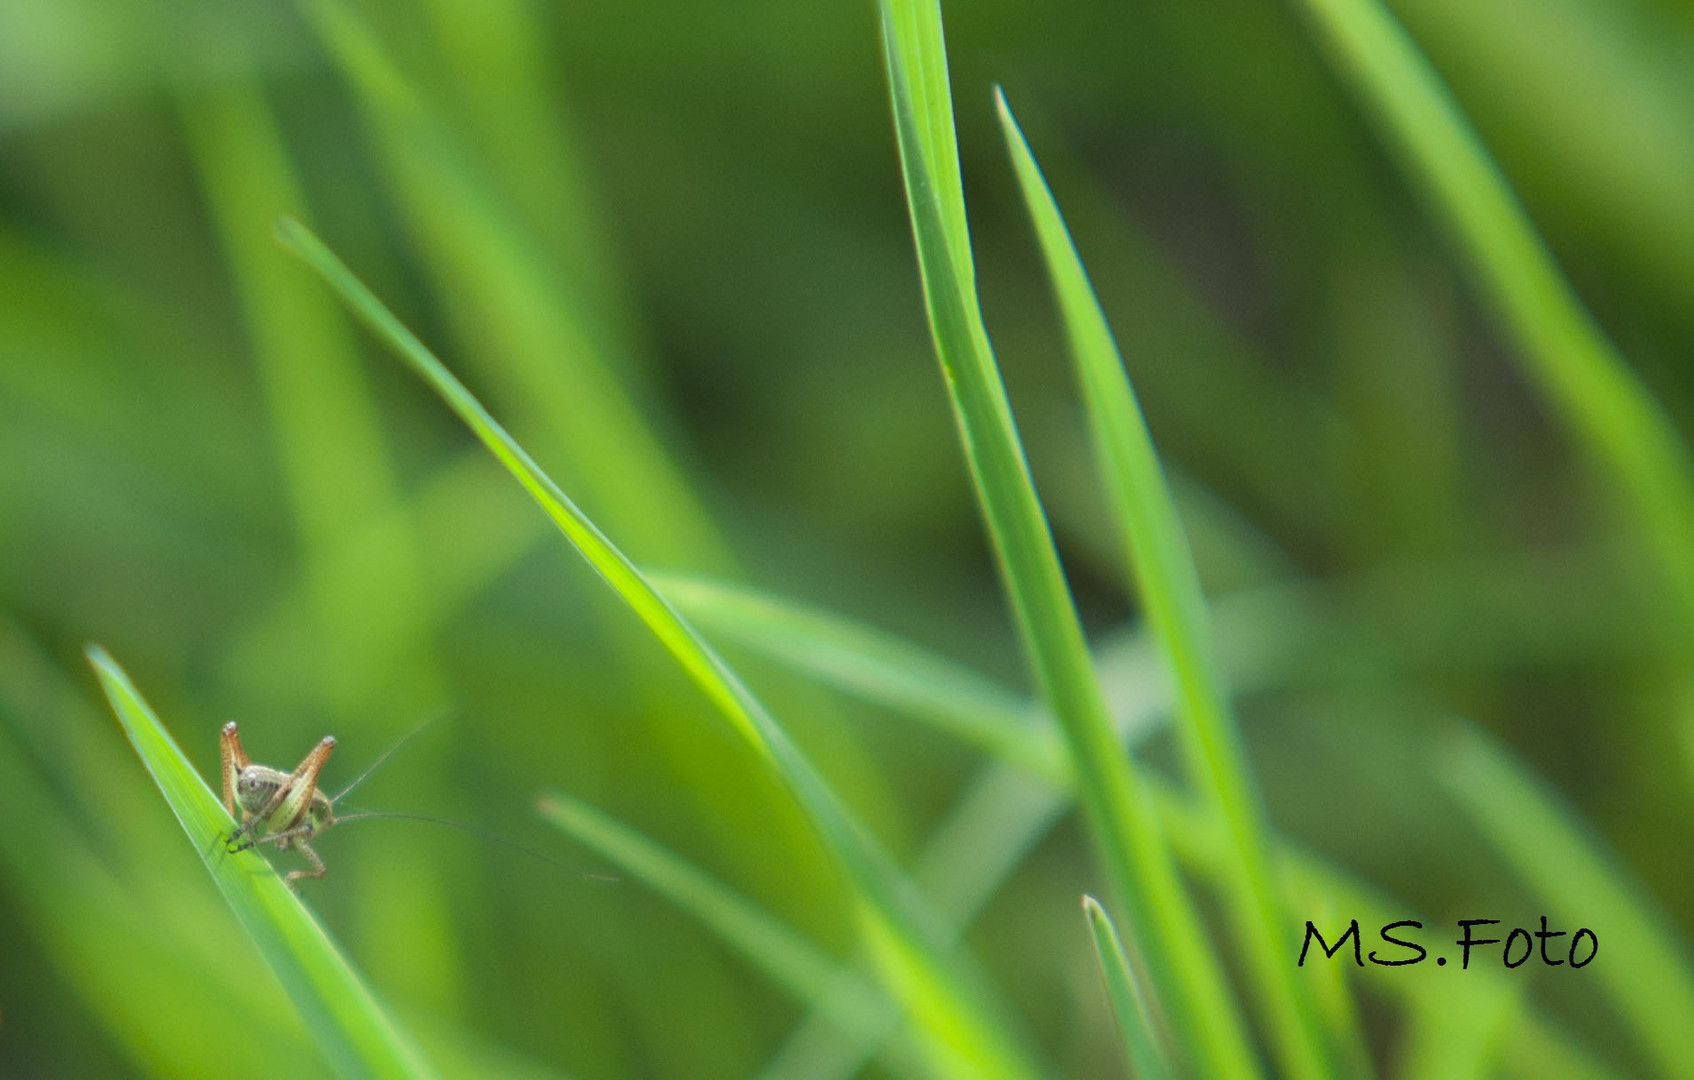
479	833
386	754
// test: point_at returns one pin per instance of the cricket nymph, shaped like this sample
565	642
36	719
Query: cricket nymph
285	809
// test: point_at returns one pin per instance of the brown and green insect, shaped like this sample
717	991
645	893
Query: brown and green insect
288	808
285	809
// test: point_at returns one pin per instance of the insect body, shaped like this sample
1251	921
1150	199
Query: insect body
289	809
285	809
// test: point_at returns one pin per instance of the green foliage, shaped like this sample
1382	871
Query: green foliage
1133	853
1365	454
962	1038
1564	353
354	1032
1169	587
1649	980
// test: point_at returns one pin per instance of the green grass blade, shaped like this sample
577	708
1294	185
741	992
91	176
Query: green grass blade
113	896
1183	970
1643	966
810	975
1129	1004
966	1034
1563	353
355	1034
873	666
1169	586
1007	811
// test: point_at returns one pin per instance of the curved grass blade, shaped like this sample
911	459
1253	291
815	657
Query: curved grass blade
810	975
1169	586
356	1035
1563	353
1645	970
966	1034
1129	1004
1183	970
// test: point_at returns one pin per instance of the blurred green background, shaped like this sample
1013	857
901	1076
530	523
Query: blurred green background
666	244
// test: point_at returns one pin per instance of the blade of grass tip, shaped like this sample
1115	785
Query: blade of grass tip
1645	970
965	1031
1129	1004
1183	970
806	972
1169	587
356	1035
874	666
1561	350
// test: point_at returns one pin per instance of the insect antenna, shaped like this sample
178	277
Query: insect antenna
384	756
493	838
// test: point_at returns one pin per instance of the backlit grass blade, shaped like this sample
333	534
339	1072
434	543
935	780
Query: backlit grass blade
1169	587
1563	353
1183	970
1643	964
810	975
965	1034
355	1034
1129	1005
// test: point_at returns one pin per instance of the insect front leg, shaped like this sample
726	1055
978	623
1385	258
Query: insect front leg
293	838
234	759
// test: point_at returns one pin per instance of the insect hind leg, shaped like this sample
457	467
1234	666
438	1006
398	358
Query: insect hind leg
317	870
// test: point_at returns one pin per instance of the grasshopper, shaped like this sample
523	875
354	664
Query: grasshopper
288	809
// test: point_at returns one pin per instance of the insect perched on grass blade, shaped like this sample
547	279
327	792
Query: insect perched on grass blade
288	809
285	809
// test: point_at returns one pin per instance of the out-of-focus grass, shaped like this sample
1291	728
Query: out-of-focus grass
813	977
666	242
1649	980
1446	1021
1564	352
